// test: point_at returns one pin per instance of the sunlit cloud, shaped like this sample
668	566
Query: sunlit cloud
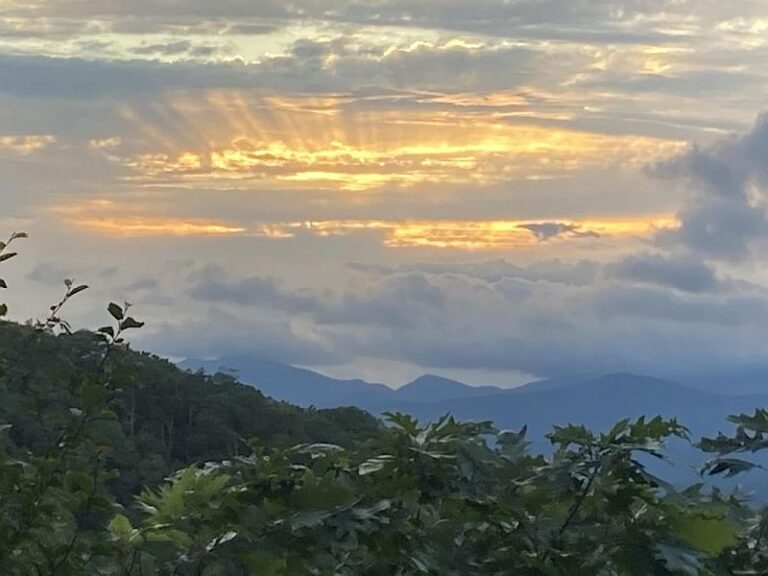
484	234
109	219
104	217
325	142
23	145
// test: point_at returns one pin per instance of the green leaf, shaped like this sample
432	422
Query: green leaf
729	466
374	465
108	330
77	290
710	535
129	323
116	311
120	527
7	256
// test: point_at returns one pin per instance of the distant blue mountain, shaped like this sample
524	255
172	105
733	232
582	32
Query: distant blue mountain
598	403
431	388
307	388
290	384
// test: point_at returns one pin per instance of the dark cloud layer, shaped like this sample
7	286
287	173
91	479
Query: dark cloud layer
727	212
648	313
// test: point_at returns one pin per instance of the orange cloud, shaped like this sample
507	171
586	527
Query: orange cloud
109	219
322	143
469	234
24	145
112	219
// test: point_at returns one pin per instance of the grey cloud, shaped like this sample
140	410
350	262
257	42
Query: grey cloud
639	314
395	301
682	272
485	69
550	230
177	48
142	285
219	332
214	285
41	77
564	330
252	29
54	274
582	20
579	273
305	69
653	303
727	212
49	273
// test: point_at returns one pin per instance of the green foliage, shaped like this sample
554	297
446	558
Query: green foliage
116	463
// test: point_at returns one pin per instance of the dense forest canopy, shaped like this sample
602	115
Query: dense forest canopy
115	462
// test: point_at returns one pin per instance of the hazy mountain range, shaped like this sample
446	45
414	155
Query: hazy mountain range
596	402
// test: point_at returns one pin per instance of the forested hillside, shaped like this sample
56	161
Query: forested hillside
162	418
116	463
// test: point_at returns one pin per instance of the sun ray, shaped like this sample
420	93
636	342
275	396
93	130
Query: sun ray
281	141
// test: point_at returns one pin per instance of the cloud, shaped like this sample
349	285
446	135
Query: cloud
682	272
648	313
393	302
579	273
49	273
607	21
727	212
24	145
550	230
214	285
179	48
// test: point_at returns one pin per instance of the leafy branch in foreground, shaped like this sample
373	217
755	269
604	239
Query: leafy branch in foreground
54	319
5	255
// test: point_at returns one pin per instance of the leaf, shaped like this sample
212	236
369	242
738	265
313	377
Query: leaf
3	310
221	540
3	283
310	519
374	465
708	534
730	466
7	256
77	290
317	450
108	330
116	311
757	422
129	323
120	528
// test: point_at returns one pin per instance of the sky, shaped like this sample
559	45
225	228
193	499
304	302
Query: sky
495	191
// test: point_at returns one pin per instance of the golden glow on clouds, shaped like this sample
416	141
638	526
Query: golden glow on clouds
309	142
106	218
470	234
110	219
24	145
